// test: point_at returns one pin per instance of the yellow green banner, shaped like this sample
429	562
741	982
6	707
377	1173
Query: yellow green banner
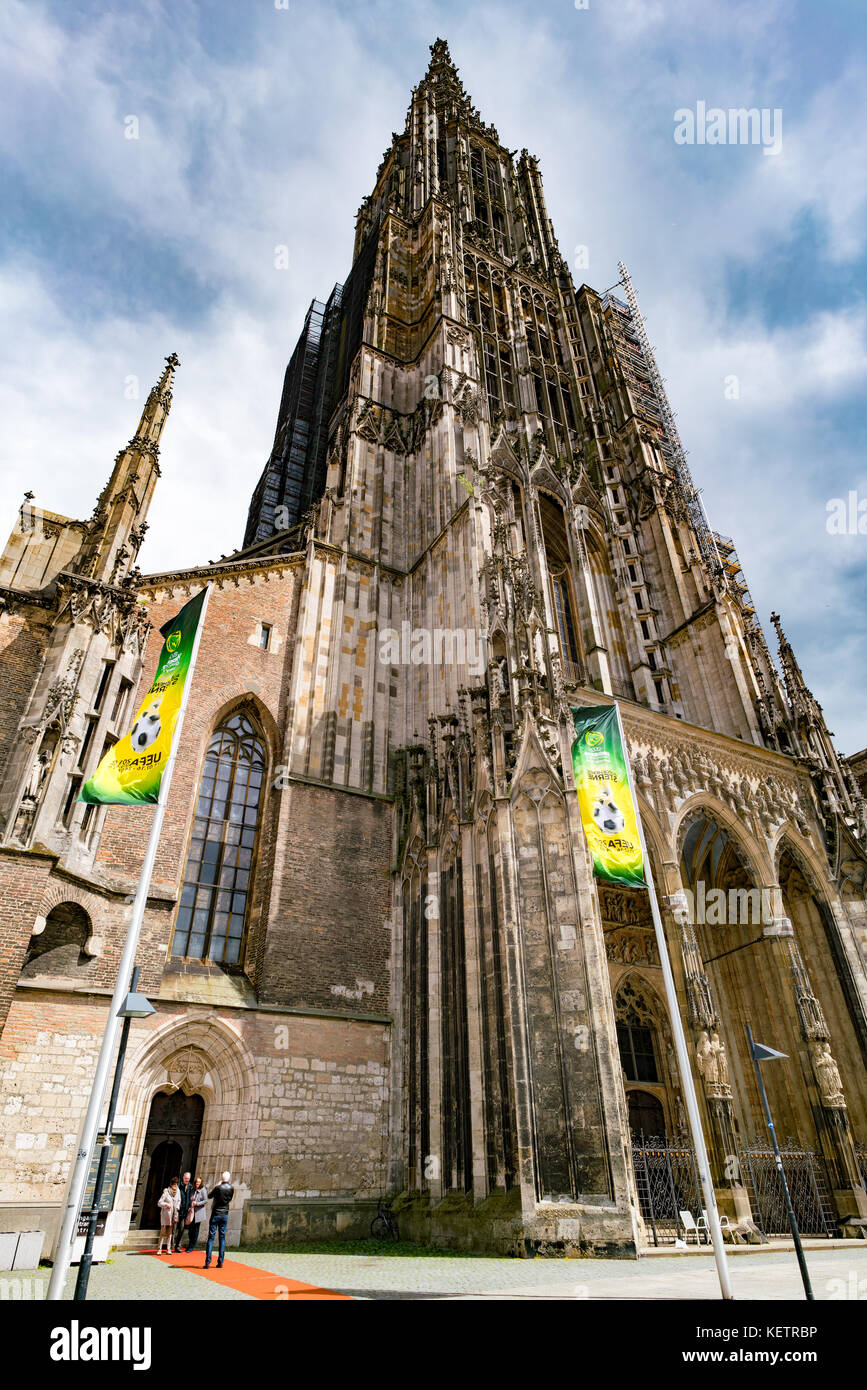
131	772
608	814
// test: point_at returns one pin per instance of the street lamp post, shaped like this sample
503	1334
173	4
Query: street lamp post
134	1006
760	1053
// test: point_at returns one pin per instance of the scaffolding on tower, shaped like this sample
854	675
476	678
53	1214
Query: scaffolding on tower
670	444
733	571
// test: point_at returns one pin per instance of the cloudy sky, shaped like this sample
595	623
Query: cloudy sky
261	127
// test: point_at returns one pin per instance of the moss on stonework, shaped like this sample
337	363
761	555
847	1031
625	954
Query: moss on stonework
455	1201
500	1204
407	1199
387	1248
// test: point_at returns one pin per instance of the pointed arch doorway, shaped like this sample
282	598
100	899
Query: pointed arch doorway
171	1148
646	1113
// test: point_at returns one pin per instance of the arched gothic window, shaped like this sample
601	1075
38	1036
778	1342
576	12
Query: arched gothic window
635	1035
213	907
636	1049
564	611
557	555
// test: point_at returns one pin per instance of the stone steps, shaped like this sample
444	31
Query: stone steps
139	1240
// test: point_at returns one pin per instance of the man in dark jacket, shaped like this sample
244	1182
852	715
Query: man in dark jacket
185	1187
222	1196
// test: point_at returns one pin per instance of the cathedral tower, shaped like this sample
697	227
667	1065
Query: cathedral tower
509	528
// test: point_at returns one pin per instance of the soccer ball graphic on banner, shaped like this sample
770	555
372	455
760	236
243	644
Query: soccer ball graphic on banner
146	729
607	815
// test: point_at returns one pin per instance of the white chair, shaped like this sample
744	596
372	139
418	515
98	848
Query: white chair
690	1225
703	1225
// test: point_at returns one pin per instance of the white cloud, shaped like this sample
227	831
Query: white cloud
69	399
276	139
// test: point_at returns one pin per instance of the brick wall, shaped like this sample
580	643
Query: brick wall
318	1129
328	934
318	929
48	1052
22	884
323	1086
23	639
229	665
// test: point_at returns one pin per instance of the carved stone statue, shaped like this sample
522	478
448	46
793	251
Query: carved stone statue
706	1059
827	1075
713	1064
38	774
500	675
719	1052
32	793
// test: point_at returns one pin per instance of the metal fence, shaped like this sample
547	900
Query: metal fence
667	1181
805	1176
666	1178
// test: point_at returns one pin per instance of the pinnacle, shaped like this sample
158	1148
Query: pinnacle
167	377
441	69
439	54
442	81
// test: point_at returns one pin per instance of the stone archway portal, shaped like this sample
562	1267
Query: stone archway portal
171	1148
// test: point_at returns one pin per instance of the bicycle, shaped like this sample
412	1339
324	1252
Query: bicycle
384	1224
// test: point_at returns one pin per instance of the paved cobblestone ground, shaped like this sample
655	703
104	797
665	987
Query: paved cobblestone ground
406	1272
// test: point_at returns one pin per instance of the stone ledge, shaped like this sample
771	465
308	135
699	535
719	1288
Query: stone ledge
497	1226
211	987
63	986
272	1221
655	1252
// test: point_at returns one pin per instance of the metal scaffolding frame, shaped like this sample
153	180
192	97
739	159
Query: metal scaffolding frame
672	448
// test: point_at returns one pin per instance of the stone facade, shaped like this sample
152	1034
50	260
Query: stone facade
432	996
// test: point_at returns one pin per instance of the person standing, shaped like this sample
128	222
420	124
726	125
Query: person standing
198	1202
185	1188
221	1199
168	1204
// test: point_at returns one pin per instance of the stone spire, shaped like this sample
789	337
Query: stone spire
117	527
804	704
442	72
441	58
835	784
442	88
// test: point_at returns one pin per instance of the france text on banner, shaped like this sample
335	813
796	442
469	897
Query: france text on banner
607	810
131	771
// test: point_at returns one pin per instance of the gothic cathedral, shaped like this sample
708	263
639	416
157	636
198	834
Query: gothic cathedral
378	956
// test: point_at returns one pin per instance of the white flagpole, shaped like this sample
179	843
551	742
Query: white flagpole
683	1061
81	1167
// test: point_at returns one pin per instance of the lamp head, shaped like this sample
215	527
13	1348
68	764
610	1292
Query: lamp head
135	1006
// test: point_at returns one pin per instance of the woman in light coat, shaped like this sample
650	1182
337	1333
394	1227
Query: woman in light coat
169	1205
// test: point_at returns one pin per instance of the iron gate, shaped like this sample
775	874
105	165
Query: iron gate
667	1181
805	1175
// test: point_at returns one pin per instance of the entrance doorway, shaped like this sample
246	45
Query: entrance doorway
171	1148
646	1115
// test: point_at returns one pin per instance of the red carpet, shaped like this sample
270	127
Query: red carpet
249	1279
